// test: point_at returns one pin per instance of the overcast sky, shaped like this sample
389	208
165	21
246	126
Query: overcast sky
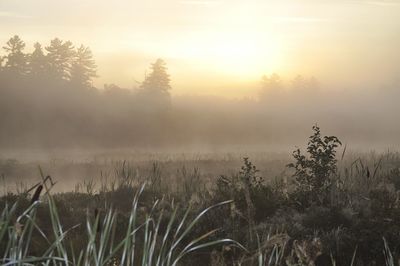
220	47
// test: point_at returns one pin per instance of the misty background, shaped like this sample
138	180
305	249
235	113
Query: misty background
48	102
233	75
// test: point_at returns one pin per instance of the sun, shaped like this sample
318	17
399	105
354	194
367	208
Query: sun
239	41
243	54
230	53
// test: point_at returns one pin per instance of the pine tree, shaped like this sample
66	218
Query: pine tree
83	69
15	59
157	82
37	61
60	57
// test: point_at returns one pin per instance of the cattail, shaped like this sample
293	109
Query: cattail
36	195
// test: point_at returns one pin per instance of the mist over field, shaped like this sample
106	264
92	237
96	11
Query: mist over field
200	132
255	76
48	102
231	75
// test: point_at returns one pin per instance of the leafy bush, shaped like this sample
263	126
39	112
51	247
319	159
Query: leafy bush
313	172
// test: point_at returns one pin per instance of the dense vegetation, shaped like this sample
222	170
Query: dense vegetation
319	213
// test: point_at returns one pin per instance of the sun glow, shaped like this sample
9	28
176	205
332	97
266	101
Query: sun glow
236	41
230	53
211	43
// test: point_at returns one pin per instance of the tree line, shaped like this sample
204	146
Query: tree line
61	61
47	98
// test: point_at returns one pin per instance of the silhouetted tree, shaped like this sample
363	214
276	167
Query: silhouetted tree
60	57
37	61
271	86
156	87
158	80
273	82
302	84
15	59
83	69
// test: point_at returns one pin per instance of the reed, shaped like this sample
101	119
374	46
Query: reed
161	247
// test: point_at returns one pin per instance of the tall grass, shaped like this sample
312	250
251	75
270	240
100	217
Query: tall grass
159	245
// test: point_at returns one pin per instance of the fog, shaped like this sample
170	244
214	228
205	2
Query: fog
200	132
233	76
48	103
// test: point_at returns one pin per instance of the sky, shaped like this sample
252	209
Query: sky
220	47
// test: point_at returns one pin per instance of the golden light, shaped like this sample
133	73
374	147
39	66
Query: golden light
235	53
236	41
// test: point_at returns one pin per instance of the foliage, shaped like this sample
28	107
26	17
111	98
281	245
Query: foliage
253	202
256	212
60	57
313	174
83	68
16	60
155	89
158	79
38	61
159	244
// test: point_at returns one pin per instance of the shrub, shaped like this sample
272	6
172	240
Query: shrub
254	201
313	172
